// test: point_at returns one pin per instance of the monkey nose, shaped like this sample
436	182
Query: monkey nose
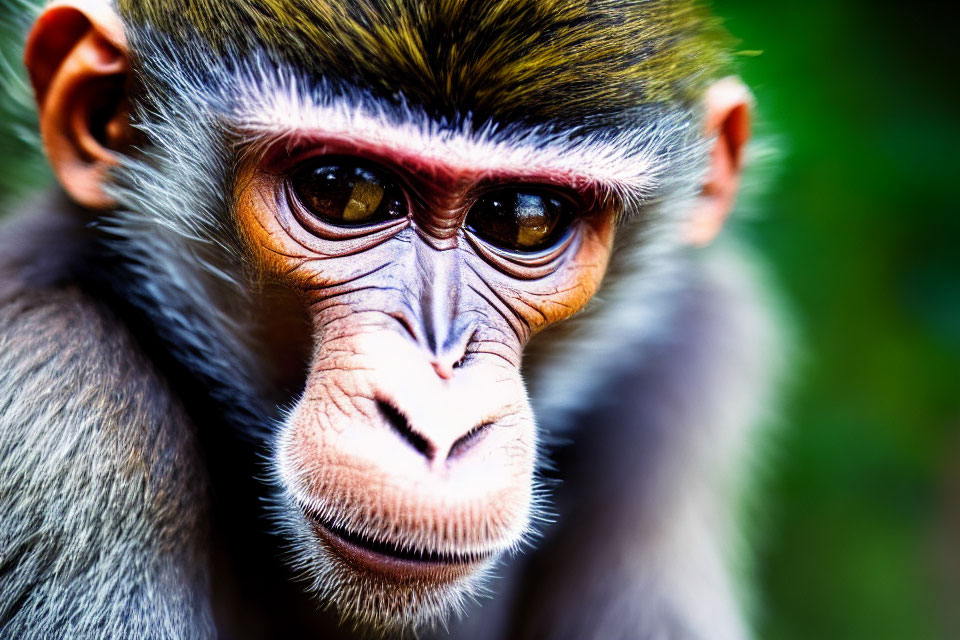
445	364
447	359
443	369
437	446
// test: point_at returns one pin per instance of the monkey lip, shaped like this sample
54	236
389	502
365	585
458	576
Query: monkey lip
388	560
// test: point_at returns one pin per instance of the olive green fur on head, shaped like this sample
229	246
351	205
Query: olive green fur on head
535	61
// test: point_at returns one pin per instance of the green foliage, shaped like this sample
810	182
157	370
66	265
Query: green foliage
21	165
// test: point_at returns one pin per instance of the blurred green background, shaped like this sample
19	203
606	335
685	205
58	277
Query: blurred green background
859	224
861	532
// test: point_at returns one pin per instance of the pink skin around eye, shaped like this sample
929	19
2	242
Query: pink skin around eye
430	176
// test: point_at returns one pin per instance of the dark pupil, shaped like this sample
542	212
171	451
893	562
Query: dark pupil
519	220
346	195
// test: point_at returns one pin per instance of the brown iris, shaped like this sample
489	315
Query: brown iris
521	220
348	194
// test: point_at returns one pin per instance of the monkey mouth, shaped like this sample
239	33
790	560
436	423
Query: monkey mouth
395	561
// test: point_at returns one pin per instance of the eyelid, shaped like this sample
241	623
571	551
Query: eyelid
285	157
285	154
299	163
526	266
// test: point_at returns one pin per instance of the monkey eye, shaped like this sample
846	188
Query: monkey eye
347	194
521	220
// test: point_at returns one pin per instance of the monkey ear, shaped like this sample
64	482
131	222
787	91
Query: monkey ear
728	104
76	56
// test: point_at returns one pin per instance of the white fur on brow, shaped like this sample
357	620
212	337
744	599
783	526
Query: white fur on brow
628	164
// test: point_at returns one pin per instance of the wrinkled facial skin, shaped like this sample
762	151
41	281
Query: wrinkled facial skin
409	458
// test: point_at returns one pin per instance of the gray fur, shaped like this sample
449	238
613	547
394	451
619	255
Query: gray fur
101	489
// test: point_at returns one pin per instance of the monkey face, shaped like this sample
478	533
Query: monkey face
433	184
408	462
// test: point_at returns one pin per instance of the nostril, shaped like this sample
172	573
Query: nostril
445	368
465	442
401	425
446	362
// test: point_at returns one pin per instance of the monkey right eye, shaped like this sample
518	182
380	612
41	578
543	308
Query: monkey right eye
347	194
520	220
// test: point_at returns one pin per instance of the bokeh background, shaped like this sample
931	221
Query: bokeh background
860	535
859	223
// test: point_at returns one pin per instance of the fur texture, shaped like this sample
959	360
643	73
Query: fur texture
122	531
656	385
557	62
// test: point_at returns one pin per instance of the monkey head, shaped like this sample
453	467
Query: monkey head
433	184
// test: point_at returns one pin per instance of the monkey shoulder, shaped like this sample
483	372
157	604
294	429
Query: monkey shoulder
71	372
100	486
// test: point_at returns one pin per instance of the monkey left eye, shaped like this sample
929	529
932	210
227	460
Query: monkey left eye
522	221
347	194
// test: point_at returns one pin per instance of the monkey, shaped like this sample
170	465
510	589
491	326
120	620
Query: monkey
379	317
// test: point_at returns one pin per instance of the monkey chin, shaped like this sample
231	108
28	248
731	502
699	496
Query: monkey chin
385	588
